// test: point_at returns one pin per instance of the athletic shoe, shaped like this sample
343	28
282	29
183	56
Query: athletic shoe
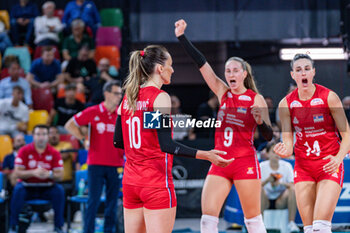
292	227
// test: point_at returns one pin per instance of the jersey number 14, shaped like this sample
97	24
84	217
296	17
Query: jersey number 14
316	149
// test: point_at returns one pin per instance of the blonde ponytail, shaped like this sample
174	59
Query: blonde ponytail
141	66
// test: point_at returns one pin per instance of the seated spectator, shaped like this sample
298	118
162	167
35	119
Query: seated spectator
4	38
81	69
65	108
9	160
346	105
73	43
14	79
82	9
95	84
22	18
67	157
278	188
205	111
39	166
47	26
14	113
276	138
45	72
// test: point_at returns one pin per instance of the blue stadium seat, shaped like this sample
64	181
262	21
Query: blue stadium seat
23	54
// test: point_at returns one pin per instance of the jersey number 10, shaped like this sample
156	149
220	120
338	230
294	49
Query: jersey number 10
134	126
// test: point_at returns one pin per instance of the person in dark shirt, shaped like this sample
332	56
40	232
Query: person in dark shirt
22	17
9	160
205	111
65	108
95	84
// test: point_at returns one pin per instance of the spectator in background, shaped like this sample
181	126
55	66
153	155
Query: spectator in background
67	157
45	72
39	166
65	108
205	111
47	27
276	138
22	17
9	160
105	73
346	104
278	188
179	132
4	38
81	69
73	43
291	88
14	113
14	79
272	110
82	9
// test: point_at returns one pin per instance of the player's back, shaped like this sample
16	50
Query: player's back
145	164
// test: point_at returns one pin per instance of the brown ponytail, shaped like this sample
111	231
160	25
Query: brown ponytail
249	81
141	66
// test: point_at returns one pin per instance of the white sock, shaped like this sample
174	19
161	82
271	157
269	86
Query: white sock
209	224
255	225
322	226
308	229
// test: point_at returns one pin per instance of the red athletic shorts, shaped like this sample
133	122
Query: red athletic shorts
312	170
241	168
151	198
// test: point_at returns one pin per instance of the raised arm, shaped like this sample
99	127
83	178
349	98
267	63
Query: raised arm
285	148
217	85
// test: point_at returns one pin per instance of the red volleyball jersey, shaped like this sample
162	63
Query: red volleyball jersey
146	164
314	127
236	134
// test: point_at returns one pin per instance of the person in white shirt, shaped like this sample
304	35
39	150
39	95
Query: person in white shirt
14	113
47	27
278	188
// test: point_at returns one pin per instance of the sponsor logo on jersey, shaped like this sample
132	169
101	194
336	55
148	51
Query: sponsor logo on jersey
296	104
229	95
242	110
32	164
221	115
250	170
30	156
96	118
151	120
295	174
295	121
297	129
244	98
48	157
316	101
335	175
318	118
18	160
101	127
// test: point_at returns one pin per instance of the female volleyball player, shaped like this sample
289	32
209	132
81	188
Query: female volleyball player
149	196
242	109
315	114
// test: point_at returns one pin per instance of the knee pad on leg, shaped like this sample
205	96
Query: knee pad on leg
322	226
308	229
255	225
209	224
